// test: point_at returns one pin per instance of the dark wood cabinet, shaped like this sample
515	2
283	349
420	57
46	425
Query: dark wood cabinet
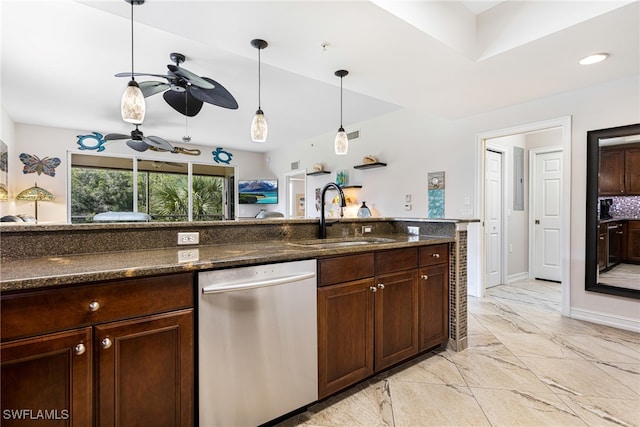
611	172
603	249
433	296
632	171
615	234
50	373
633	241
370	312
112	353
619	170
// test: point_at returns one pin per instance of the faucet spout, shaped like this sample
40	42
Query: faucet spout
322	233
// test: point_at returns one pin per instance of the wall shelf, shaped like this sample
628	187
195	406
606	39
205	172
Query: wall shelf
318	173
370	165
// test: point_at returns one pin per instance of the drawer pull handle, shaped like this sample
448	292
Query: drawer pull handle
94	306
425	277
373	289
381	285
79	349
435	255
106	343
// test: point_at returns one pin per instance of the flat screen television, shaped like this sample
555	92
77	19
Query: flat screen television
258	191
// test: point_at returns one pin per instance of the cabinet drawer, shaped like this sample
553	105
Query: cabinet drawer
345	268
396	260
36	312
434	254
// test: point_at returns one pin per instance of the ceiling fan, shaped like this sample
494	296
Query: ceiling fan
185	91
139	142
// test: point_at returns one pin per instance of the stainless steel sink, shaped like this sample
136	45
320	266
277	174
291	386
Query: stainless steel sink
346	242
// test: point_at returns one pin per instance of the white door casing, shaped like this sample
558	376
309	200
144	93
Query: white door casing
547	214
493	218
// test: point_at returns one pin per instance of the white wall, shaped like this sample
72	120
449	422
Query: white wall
414	144
54	142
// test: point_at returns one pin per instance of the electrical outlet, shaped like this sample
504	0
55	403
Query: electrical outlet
189	238
413	230
188	255
366	229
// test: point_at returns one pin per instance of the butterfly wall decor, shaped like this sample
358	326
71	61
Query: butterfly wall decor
33	164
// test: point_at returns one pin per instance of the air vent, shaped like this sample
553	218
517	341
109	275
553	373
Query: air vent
295	165
353	135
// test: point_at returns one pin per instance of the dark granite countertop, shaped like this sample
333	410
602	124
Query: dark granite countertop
605	221
41	272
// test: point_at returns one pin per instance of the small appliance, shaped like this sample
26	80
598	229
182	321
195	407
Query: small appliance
605	204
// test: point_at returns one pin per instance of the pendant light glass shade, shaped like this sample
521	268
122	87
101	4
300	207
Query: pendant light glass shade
259	127
132	105
341	143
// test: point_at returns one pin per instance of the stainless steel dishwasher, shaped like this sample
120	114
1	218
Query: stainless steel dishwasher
257	338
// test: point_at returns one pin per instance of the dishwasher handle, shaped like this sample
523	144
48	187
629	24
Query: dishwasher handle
216	289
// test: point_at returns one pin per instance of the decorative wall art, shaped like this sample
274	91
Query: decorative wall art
221	156
96	142
342	177
33	164
436	194
4	172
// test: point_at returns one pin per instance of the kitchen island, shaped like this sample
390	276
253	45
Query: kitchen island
82	290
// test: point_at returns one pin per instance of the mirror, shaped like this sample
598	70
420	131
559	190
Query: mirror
613	211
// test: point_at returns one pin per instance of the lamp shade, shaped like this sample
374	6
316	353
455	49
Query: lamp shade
35	193
132	106
341	143
4	194
259	128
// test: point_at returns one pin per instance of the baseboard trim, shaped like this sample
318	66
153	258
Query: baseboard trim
517	277
606	319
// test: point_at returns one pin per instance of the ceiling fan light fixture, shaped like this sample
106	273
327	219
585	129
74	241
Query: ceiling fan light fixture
593	59
259	126
341	143
132	105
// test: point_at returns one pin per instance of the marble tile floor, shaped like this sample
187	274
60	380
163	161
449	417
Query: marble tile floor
525	366
622	275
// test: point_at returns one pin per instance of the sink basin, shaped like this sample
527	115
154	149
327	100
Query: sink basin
338	243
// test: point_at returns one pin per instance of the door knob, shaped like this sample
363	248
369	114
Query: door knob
537	221
381	285
94	306
373	289
425	277
106	343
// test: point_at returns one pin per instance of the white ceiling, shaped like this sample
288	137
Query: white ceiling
446	58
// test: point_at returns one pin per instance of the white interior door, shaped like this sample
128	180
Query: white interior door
547	208
493	218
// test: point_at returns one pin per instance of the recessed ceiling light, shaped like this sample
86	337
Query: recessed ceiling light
593	59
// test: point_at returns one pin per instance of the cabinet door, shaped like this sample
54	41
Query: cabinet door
615	243
49	375
145	371
434	306
632	171
345	335
633	241
396	327
611	173
603	243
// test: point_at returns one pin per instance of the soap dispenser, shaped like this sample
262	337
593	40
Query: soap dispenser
364	211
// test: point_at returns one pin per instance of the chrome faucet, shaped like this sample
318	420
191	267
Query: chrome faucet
323	224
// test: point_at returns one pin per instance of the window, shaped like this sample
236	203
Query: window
106	184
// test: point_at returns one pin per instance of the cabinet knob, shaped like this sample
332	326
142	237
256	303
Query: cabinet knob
94	306
79	349
106	343
373	289
424	277
381	285
435	255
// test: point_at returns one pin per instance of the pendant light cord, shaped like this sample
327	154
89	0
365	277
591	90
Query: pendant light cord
259	79
132	78
341	101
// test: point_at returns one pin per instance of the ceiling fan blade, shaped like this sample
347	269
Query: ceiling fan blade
151	88
183	104
217	96
128	74
113	136
156	141
138	145
192	78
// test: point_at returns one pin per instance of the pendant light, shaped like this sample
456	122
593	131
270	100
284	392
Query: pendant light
132	106
341	143
259	128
